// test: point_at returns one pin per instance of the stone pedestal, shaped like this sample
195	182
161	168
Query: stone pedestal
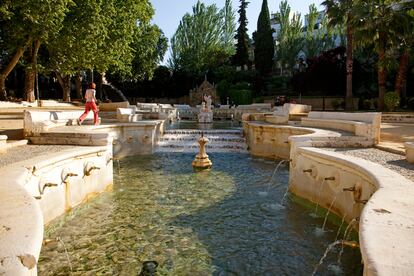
201	161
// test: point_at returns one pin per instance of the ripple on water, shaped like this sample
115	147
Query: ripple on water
220	222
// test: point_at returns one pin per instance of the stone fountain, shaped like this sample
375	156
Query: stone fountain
206	114
201	161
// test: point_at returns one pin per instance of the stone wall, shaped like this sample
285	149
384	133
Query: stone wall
38	190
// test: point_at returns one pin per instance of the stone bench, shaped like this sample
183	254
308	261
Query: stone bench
128	115
360	124
41	121
153	107
409	151
113	106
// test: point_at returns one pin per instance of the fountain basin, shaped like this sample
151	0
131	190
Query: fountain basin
192	223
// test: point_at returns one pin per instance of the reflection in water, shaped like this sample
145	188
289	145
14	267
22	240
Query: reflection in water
217	222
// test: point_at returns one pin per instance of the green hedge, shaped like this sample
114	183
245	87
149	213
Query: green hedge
239	96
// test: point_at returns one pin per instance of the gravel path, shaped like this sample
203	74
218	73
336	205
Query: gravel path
21	153
392	161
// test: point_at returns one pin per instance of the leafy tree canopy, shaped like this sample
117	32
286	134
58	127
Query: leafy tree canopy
263	40
200	41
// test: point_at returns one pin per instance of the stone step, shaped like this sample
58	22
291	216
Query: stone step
211	139
196	149
205	132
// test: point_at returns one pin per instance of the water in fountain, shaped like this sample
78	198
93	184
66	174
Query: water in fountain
340	227
275	171
284	195
315	214
321	231
185	140
328	249
190	223
66	253
327	213
345	238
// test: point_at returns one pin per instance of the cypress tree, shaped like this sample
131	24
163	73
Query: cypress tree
241	57
263	40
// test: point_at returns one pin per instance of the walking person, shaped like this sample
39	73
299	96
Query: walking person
90	104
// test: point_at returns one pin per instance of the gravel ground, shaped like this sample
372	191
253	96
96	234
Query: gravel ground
21	153
389	160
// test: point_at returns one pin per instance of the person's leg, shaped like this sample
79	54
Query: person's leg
87	109
95	114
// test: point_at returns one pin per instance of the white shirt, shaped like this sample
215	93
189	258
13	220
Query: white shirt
90	95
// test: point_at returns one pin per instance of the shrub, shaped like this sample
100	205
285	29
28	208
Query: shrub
336	104
391	100
258	100
223	88
240	96
241	86
367	104
410	103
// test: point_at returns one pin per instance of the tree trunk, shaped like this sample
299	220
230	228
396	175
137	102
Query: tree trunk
64	82
402	72
79	85
349	103
382	74
6	71
99	87
30	72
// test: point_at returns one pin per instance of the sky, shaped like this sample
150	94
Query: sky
168	13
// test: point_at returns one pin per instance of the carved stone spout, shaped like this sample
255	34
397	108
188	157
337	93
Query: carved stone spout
201	161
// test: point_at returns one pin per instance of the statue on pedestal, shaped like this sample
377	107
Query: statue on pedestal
206	114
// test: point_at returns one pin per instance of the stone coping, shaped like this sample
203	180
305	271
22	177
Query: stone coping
21	225
307	131
386	228
11	144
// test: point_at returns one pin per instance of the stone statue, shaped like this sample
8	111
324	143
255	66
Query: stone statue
208	102
206	114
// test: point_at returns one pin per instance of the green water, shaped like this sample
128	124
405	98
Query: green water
227	221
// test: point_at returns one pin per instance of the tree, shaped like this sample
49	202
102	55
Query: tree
340	12
199	42
263	40
241	57
25	25
149	46
45	21
376	23
73	48
319	36
404	46
88	40
289	40
229	28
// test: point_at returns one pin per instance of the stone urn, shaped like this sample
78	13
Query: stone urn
201	161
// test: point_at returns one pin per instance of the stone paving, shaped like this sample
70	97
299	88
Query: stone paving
389	160
21	153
